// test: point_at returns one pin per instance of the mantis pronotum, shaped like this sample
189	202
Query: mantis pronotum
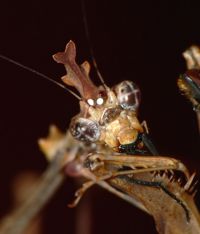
115	181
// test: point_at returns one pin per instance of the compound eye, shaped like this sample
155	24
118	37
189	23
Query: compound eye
84	130
128	95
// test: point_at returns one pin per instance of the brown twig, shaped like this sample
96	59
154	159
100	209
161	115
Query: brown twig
16	222
53	177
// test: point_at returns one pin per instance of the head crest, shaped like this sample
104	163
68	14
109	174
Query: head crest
77	76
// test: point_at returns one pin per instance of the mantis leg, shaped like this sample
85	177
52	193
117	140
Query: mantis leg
135	161
102	183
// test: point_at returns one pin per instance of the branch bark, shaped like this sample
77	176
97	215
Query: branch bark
56	145
17	222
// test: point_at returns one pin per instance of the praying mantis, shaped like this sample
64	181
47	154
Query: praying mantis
139	190
100	110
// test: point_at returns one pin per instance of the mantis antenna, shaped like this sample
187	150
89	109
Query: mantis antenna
87	34
39	74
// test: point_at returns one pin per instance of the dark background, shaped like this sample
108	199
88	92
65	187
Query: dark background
138	40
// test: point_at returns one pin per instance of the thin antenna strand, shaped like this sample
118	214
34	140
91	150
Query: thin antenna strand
38	73
85	22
